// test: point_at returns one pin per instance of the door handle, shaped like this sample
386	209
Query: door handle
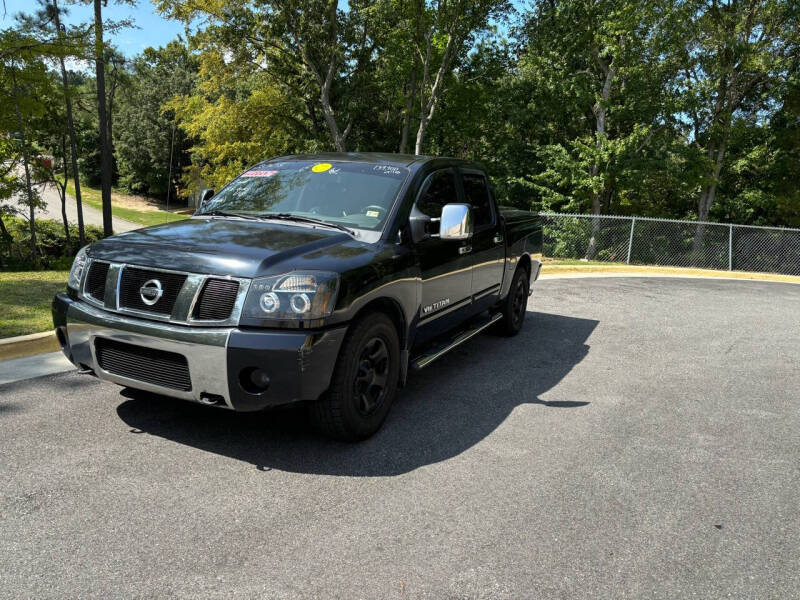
497	238
465	249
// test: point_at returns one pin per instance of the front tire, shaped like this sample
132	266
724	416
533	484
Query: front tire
364	381
514	306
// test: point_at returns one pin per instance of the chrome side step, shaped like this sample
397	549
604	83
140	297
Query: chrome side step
427	357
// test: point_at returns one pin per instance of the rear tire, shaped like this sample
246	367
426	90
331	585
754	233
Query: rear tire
514	306
364	381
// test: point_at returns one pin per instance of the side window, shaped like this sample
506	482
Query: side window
441	190
477	195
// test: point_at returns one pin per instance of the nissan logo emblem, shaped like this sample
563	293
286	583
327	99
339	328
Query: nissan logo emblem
151	292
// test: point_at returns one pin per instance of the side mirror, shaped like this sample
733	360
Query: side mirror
205	196
456	222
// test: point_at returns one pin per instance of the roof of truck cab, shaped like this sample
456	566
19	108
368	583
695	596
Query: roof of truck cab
400	160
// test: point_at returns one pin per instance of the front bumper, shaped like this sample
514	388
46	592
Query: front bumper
299	364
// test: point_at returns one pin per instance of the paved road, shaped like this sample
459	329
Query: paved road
639	438
91	216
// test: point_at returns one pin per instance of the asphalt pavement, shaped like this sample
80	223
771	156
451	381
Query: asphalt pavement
639	439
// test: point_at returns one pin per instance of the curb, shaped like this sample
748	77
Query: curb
36	365
572	271
28	345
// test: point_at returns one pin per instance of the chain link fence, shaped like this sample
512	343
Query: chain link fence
648	241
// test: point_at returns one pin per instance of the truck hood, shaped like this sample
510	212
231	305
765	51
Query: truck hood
220	246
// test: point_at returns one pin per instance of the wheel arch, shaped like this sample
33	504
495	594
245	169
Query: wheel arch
391	308
525	263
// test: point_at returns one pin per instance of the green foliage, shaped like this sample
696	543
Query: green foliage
673	108
53	251
146	134
235	122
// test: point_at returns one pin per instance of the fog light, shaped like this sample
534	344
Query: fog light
253	380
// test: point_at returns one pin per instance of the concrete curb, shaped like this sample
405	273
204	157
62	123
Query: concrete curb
28	345
37	365
621	275
655	271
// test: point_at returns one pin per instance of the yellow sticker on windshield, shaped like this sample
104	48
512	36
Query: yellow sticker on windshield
321	167
373	213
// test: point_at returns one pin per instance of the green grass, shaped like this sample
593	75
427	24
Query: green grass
25	298
93	197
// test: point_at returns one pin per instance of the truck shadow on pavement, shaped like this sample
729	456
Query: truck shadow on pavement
444	410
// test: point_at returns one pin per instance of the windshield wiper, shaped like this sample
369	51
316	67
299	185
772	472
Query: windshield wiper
302	219
223	213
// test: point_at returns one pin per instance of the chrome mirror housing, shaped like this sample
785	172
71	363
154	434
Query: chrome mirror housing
456	222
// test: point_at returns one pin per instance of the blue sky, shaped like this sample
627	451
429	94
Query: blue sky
151	29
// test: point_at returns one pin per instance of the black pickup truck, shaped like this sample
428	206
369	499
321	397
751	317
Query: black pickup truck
320	278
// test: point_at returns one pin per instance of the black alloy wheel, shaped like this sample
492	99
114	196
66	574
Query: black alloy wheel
372	376
519	302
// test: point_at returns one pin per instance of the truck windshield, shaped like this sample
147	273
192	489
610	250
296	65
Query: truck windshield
351	194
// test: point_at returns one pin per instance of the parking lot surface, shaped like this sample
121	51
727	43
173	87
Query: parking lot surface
639	438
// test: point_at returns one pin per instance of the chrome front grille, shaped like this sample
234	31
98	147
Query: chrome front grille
157	367
163	294
216	300
131	281
96	280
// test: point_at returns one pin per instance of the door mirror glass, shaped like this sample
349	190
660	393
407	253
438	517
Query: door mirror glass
456	223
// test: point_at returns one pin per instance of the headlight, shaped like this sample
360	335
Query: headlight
76	272
299	295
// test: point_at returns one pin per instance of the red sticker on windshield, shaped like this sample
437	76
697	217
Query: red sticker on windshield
259	174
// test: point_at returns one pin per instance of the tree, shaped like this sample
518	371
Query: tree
10	184
71	131
52	135
236	117
440	31
759	183
737	60
599	69
148	144
72	42
25	83
308	49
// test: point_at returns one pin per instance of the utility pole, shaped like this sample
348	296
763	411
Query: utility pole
102	118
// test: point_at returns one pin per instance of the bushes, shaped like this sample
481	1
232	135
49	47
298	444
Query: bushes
53	252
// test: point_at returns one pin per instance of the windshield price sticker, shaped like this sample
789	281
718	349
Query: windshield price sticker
259	174
321	167
388	170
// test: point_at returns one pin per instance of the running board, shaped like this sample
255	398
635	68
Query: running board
427	357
